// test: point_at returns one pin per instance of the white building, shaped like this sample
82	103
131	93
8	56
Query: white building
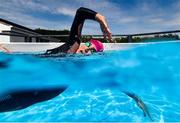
25	34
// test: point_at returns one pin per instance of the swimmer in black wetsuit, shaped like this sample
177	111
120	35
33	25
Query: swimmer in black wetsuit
73	44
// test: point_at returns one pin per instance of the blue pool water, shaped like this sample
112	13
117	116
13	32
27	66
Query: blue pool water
96	84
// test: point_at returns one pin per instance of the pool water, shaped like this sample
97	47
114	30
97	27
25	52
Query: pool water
96	85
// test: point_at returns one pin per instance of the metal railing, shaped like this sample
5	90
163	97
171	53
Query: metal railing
129	36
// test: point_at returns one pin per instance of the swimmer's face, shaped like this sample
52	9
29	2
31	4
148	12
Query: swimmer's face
87	48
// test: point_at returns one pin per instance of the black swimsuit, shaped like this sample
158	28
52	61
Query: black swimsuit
81	15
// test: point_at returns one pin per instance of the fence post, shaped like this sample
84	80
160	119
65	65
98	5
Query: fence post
129	38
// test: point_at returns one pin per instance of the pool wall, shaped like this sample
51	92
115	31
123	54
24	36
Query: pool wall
41	47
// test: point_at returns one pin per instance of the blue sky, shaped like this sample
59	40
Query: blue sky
123	16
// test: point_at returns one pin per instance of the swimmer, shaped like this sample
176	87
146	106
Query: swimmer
73	43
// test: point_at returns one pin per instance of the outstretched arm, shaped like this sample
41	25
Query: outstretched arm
104	26
4	49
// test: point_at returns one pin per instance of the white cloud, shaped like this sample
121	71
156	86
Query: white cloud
22	6
30	4
172	22
156	20
33	22
144	16
66	11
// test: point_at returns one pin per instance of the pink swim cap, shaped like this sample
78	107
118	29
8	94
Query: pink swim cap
98	45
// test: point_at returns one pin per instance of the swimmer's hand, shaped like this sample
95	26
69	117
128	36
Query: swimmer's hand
106	33
104	26
4	49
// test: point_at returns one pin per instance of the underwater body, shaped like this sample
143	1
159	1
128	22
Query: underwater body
136	85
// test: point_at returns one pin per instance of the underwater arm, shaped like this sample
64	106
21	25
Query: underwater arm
140	104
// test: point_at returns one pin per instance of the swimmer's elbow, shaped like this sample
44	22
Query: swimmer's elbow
100	17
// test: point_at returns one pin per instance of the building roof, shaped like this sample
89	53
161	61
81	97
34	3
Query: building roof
16	25
25	28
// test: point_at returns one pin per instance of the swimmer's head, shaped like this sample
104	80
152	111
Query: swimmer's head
97	45
91	47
